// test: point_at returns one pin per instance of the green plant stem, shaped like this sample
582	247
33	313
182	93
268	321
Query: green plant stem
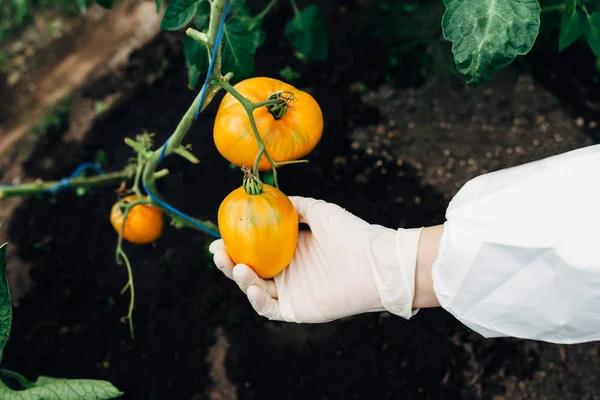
262	150
295	8
217	7
138	147
130	286
259	17
17	377
138	175
199	37
28	189
585	10
174	142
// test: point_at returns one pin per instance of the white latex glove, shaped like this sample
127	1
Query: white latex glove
343	266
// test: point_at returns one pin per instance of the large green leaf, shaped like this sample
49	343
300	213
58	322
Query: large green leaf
570	26
5	303
487	35
46	388
238	47
196	59
178	14
592	31
307	32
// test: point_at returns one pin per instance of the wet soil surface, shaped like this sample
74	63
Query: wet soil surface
196	335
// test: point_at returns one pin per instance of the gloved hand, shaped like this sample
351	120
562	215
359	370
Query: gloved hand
343	266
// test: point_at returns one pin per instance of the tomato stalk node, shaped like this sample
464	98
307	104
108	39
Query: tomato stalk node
200	37
279	107
188	155
252	183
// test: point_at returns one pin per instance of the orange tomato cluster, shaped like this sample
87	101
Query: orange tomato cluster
258	223
260	227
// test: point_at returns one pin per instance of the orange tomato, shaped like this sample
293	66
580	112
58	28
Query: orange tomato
259	230
144	222
288	138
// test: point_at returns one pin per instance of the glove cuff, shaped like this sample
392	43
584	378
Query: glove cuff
394	262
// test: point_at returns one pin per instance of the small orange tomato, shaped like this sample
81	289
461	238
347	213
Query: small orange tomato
289	131
259	230
144	222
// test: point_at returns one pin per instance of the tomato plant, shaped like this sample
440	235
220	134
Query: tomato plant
263	123
280	122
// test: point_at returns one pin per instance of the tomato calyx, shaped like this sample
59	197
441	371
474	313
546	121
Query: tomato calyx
281	103
251	183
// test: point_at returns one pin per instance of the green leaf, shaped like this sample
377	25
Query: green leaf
570	26
289	74
82	5
307	32
178	14
158	5
202	16
5	303
487	35
592	31
238	47
105	3
47	388
239	8
196	59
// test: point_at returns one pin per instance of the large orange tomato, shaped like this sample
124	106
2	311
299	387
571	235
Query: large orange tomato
289	132
259	230
144	223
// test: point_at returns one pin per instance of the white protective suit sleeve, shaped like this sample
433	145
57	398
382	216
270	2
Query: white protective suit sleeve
520	251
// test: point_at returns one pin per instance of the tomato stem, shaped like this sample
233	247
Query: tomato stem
250	107
295	8
28	189
200	37
129	285
280	105
173	144
120	255
252	183
259	17
138	175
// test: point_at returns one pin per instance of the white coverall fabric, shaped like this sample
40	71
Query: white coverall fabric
520	251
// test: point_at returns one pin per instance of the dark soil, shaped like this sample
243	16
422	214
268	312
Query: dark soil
69	325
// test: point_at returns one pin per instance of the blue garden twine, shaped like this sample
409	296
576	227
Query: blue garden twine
64	182
164	147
